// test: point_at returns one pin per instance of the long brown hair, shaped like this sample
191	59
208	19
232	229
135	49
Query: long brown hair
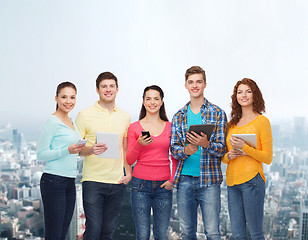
162	111
258	102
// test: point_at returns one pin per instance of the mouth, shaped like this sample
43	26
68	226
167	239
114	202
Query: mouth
195	90
68	106
152	107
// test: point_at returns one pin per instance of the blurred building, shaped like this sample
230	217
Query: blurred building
304	220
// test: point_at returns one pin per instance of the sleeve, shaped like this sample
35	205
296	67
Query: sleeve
80	123
217	146
177	140
133	146
44	152
265	155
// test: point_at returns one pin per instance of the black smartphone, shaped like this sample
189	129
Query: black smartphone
146	133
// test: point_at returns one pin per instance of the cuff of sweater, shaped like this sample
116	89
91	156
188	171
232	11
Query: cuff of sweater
63	152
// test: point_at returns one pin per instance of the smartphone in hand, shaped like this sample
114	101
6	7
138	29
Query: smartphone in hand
82	142
146	133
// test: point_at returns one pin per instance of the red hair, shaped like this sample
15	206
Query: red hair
258	102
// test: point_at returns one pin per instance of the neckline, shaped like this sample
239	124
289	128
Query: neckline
73	129
154	135
250	122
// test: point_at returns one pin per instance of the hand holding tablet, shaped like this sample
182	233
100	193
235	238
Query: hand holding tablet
201	128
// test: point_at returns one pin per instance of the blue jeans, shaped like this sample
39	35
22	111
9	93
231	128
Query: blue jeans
102	205
246	203
144	196
59	197
189	196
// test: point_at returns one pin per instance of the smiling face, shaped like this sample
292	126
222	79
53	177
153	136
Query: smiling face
66	99
107	90
195	85
152	101
244	96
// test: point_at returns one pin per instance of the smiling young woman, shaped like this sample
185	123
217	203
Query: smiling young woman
152	180
58	149
245	176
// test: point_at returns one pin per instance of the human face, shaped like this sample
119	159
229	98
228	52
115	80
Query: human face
66	99
107	90
244	95
195	85
152	101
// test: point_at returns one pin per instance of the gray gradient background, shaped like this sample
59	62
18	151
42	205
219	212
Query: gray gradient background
43	43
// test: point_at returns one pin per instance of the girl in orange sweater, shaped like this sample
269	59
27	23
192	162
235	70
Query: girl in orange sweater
245	177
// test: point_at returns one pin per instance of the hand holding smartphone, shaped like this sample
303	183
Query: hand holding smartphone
82	142
146	133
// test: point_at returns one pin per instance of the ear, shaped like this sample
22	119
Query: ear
97	90
56	98
185	85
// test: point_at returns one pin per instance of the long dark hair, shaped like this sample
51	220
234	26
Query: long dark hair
64	85
258	104
162	111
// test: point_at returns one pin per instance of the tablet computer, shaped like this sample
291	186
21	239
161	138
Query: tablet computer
250	139
199	128
112	142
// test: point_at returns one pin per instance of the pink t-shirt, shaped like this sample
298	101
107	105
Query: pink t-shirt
153	161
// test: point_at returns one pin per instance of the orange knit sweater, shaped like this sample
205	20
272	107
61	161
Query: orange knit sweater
243	169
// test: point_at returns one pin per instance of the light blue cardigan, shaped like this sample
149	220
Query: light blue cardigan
53	148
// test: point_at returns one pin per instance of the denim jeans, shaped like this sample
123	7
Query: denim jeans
246	203
59	197
189	196
144	196
102	205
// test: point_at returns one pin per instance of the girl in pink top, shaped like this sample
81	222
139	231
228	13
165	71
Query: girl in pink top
152	178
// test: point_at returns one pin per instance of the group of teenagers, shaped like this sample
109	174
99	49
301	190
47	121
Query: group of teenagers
170	157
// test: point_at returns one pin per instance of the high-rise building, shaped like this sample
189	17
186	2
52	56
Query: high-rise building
299	137
304	220
126	228
17	139
76	227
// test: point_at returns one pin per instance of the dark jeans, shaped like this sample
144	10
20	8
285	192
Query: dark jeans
102	205
147	195
59	197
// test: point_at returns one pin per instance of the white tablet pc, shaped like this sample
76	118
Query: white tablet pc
250	139
199	128
112	142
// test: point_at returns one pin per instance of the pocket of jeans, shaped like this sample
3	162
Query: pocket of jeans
137	186
181	178
52	178
254	181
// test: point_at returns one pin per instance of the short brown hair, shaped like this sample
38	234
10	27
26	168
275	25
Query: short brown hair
195	70
106	75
